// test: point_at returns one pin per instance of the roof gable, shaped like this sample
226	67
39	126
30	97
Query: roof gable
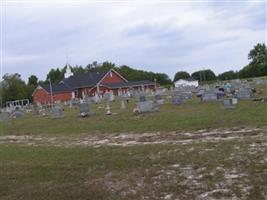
89	79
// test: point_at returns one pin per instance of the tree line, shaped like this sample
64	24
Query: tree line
257	67
13	87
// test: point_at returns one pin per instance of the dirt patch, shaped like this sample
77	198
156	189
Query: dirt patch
131	139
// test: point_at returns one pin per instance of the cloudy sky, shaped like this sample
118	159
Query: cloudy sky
154	36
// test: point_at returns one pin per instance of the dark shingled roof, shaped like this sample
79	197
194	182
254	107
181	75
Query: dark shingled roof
56	88
128	84
89	79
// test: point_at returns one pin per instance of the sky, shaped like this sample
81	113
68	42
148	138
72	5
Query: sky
151	35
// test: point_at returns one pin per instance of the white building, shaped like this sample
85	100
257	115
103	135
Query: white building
186	82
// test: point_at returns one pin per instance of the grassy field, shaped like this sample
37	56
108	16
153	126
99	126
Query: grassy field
193	115
218	170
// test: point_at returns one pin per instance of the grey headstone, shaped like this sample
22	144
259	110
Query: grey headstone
209	96
142	98
5	116
84	109
177	100
147	106
122	105
57	112
228	103
244	93
17	114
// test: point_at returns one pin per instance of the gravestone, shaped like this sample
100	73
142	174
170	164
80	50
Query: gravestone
177	98
85	109
142	98
219	94
36	110
159	100
208	96
17	114
146	106
228	103
234	101
5	116
200	92
108	108
244	93
97	98
122	104
57	112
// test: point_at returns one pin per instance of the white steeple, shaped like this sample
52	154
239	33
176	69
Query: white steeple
68	72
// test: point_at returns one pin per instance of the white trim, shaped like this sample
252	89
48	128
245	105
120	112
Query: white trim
39	87
99	82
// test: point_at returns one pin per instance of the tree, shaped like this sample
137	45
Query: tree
78	69
258	55
55	75
33	80
258	63
181	75
13	87
32	84
204	75
229	75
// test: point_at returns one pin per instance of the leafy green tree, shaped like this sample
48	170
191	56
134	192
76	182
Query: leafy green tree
32	84
78	69
204	75
55	75
258	55
258	63
13	88
33	80
181	75
229	75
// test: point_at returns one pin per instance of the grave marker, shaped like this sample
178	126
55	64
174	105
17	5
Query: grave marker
57	112
229	104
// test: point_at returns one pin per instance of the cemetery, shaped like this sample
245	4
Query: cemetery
183	142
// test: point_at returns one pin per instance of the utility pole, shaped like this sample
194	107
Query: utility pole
51	92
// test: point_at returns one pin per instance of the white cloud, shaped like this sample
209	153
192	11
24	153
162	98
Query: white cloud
164	37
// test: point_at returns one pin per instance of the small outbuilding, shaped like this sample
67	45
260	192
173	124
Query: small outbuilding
186	82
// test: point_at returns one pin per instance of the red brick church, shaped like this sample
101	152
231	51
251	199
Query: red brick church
88	84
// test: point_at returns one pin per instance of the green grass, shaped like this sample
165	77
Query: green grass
131	173
190	116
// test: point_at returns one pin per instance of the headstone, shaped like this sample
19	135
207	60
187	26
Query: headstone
36	110
158	99
209	96
108	109
228	103
85	109
122	104
111	97
5	116
97	98
17	114
177	100
147	106
234	101
57	112
244	93
142	98
219	94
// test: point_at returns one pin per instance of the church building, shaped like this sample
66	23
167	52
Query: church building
89	84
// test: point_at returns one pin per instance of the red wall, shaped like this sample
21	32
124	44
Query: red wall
115	78
41	96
